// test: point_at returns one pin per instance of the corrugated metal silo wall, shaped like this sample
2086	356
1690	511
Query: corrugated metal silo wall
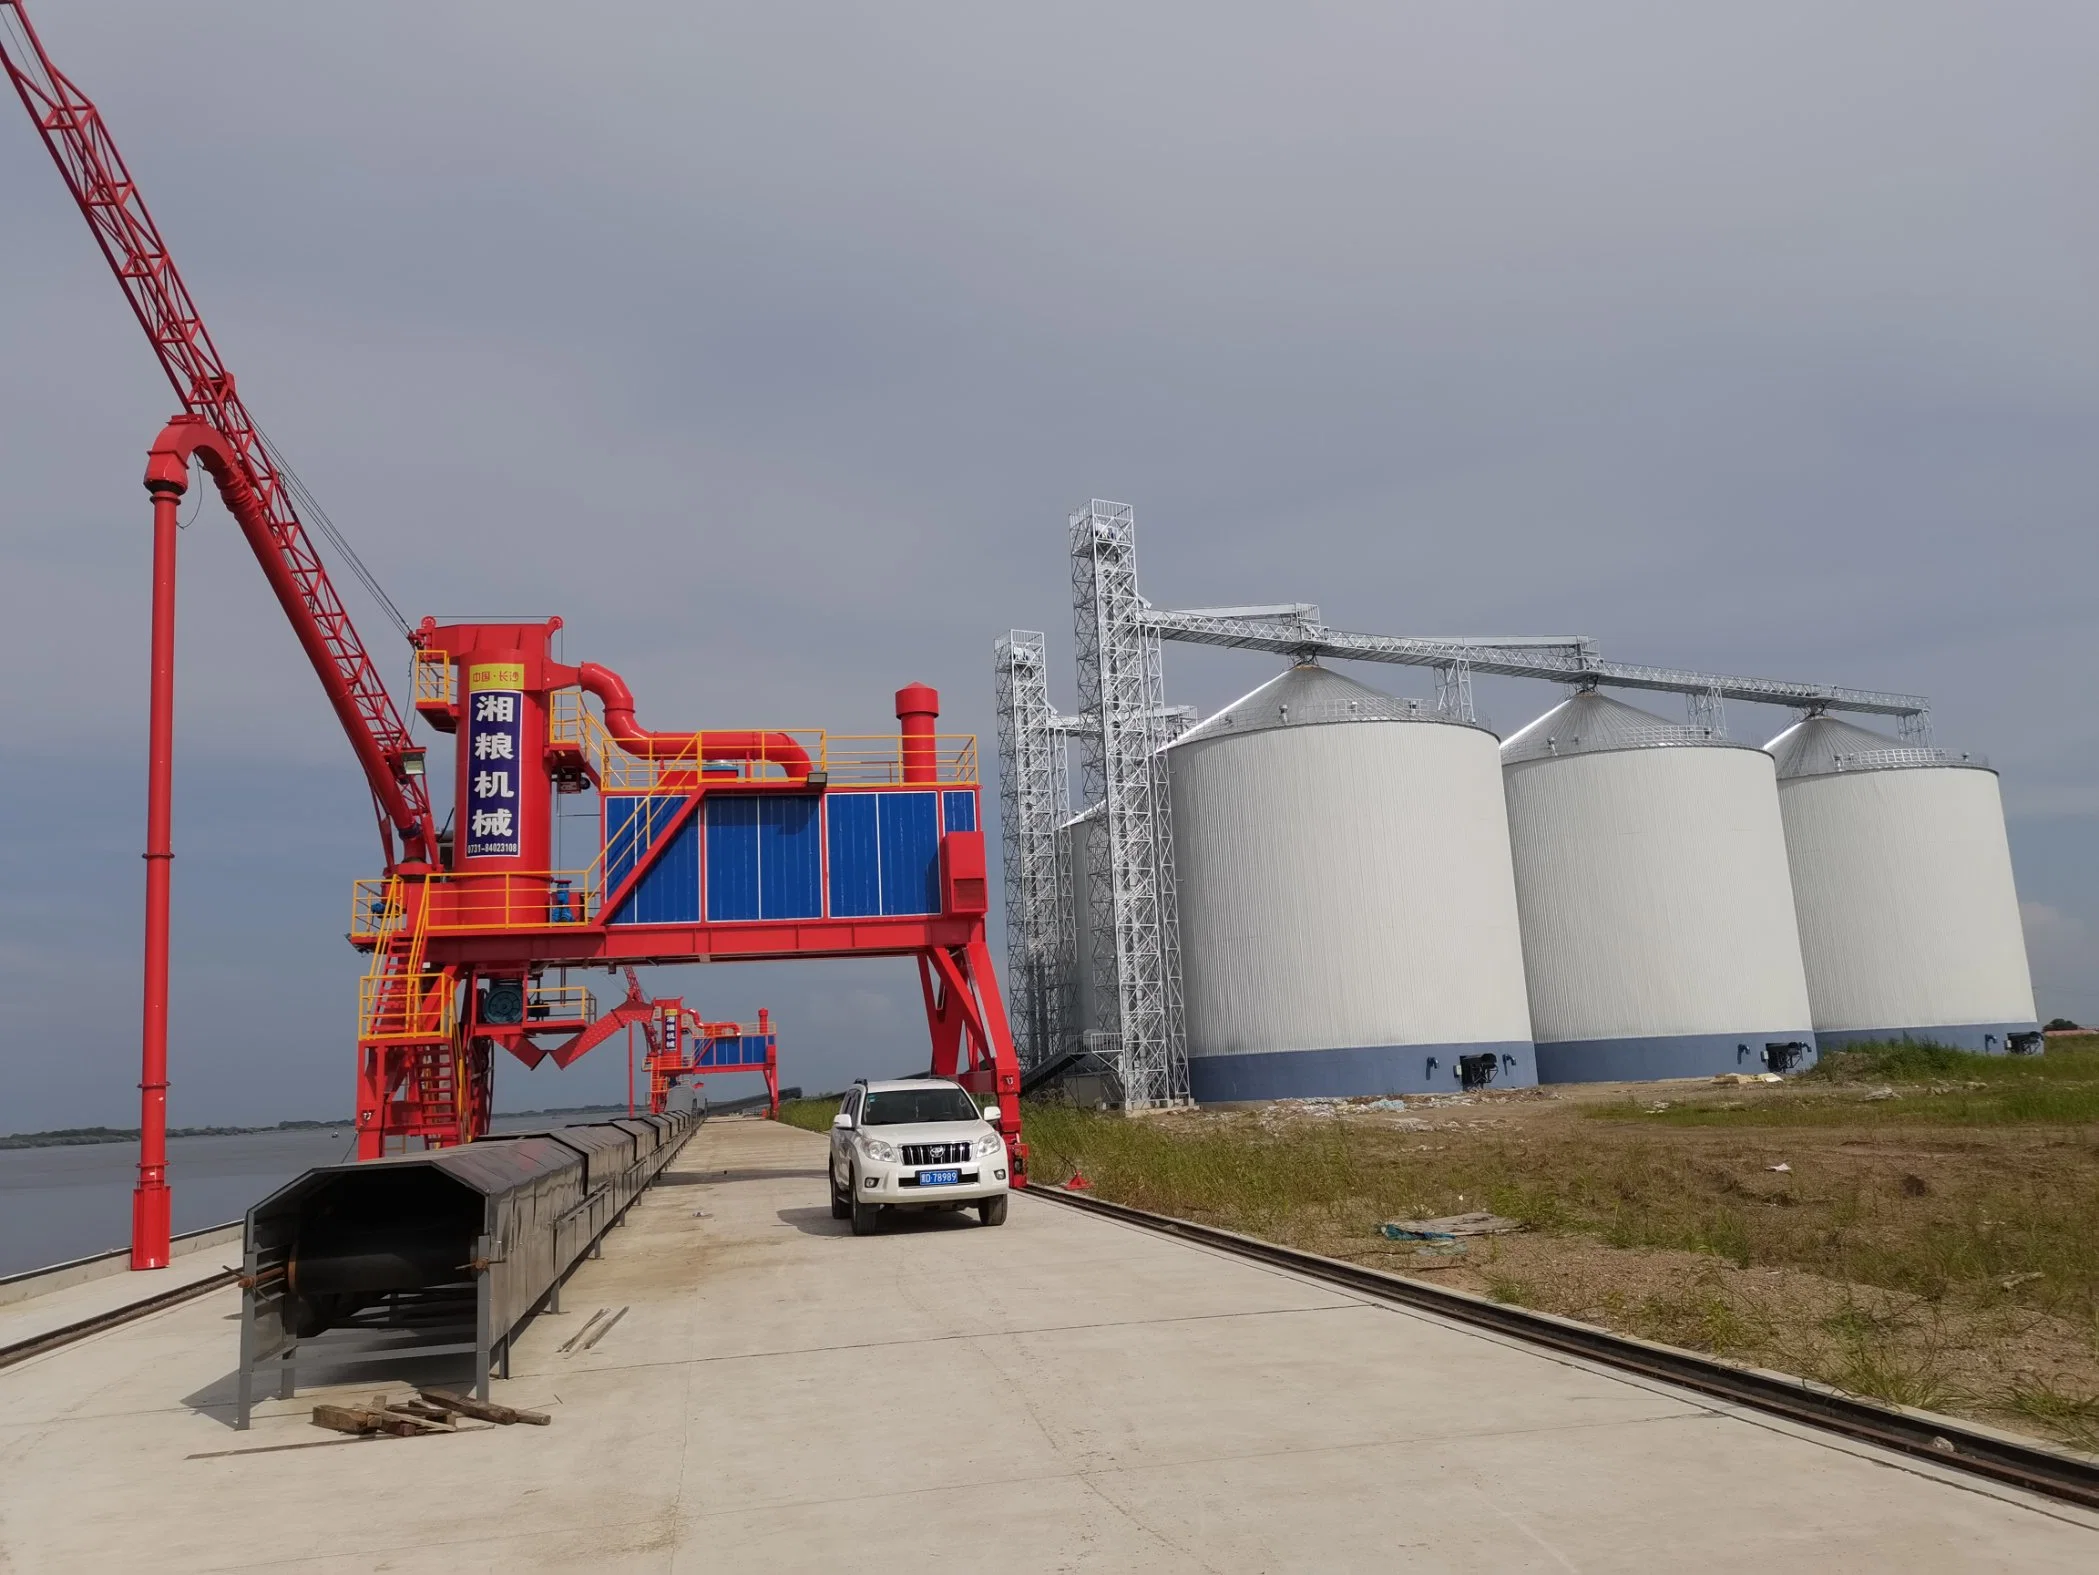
1077	838
1658	929
1348	914
1909	920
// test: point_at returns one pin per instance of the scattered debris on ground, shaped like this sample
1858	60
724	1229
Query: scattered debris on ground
483	1410
377	1418
432	1411
595	1328
1477	1223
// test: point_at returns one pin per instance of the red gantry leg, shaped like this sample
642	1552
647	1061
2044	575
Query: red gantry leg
943	1014
964	1006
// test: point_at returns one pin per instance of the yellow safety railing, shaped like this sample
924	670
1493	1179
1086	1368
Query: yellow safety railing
414	1007
461	904
572	722
512	900
434	681
877	759
561	1003
396	999
627	842
860	760
375	909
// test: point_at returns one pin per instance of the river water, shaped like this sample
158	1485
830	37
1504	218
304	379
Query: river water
62	1203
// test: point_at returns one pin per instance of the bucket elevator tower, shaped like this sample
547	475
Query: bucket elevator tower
1034	799
1129	879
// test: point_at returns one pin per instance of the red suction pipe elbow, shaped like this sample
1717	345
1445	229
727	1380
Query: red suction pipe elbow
618	700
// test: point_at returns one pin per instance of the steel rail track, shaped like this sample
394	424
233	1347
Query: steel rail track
1942	1440
116	1317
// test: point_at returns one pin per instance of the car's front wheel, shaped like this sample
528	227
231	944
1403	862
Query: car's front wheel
992	1211
841	1201
867	1217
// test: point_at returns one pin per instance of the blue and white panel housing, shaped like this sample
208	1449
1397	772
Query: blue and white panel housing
736	857
1658	929
733	1053
1348	914
1902	877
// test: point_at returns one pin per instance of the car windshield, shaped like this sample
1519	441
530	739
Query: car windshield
896	1107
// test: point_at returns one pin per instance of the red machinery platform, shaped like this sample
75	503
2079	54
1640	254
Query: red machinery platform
716	844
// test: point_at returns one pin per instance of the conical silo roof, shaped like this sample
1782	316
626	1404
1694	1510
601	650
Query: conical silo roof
1303	696
1820	746
1592	724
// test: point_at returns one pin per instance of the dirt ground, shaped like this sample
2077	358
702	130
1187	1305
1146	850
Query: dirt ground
1902	1241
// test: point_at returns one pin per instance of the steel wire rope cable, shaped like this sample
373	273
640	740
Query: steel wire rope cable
310	509
196	506
17	40
1944	1441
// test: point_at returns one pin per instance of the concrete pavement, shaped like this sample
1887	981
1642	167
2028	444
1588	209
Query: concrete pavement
1059	1394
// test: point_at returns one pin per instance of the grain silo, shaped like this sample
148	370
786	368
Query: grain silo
1347	913
1658	930
1902	878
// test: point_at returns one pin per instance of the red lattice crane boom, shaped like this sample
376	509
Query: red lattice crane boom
95	172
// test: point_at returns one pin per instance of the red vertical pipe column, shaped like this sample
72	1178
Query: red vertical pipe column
150	1210
918	710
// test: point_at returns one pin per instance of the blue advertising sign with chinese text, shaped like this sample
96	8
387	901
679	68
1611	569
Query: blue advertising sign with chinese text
494	729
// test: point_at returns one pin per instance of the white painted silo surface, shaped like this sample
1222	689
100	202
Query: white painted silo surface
1902	878
1659	937
1347	911
1078	836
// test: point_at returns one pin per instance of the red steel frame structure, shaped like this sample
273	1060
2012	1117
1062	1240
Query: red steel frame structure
441	934
683	1045
679	1041
693	1053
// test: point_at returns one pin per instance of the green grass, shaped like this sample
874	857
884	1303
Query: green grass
1931	1083
2067	1060
1846	1217
2072	1417
2042	1106
812	1115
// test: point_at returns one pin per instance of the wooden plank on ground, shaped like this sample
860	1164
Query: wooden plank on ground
482	1410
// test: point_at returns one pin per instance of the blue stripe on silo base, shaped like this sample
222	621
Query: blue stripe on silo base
1985	1038
1352	1070
1665	1055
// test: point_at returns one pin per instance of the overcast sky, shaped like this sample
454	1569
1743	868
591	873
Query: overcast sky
770	344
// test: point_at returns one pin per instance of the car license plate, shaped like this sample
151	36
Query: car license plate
938	1178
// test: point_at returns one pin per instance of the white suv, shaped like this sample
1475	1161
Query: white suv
920	1143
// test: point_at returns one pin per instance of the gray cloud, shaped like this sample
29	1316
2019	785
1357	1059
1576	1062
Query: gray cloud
769	344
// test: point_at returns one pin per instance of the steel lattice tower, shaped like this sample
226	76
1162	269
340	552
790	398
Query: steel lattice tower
1129	877
1034	801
